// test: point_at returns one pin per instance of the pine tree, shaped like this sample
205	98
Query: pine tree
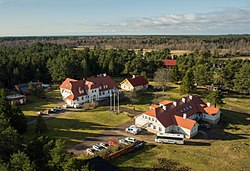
187	82
215	97
20	162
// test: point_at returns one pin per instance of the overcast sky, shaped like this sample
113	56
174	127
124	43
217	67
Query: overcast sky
98	17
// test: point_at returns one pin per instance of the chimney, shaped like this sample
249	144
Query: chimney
183	100
164	108
174	103
104	74
208	104
184	115
190	97
133	76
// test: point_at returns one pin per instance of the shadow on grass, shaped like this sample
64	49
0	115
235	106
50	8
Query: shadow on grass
72	131
130	155
231	121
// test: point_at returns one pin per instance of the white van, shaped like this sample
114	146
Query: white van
169	138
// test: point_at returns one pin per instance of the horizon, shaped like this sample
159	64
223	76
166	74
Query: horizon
116	17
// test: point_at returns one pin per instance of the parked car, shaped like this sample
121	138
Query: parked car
104	145
77	105
97	147
58	108
131	139
123	141
112	142
90	151
133	129
134	126
52	110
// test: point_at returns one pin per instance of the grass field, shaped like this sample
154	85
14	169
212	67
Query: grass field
75	126
180	52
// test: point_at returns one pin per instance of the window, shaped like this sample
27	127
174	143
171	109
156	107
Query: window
190	107
82	97
100	94
181	111
154	127
152	119
178	129
146	117
159	128
142	116
149	118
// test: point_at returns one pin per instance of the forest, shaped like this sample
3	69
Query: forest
222	45
49	63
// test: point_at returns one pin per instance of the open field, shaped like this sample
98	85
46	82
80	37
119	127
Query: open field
35	104
75	126
180	52
237	57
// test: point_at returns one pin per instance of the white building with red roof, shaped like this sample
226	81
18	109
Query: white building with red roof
136	83
178	116
92	89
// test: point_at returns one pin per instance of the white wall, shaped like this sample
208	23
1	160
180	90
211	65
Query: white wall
213	119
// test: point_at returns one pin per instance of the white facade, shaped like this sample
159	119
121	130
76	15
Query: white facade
213	119
92	95
152	124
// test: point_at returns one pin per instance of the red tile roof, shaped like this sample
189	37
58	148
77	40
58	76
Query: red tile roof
211	110
137	81
165	102
169	62
174	114
184	123
77	87
102	82
154	106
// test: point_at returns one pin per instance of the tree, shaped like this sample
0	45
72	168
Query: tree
187	82
41	126
242	78
8	138
175	74
202	75
215	97
162	76
132	96
61	159
17	119
20	162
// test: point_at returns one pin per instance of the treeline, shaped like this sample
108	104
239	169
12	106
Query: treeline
233	45
201	69
53	63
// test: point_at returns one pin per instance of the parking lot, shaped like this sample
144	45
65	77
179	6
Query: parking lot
111	134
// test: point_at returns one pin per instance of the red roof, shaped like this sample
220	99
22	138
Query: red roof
77	87
174	114
137	81
169	62
102	82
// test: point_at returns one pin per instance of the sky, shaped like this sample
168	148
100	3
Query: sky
123	17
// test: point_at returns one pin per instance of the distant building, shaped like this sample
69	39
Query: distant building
92	89
16	98
23	88
136	83
169	63
178	116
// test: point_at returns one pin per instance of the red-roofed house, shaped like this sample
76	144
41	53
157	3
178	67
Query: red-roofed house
178	116
135	83
92	89
169	63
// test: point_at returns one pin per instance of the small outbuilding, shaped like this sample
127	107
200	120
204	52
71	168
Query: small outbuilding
16	98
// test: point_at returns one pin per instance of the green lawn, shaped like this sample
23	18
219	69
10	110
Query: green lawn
35	104
75	126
